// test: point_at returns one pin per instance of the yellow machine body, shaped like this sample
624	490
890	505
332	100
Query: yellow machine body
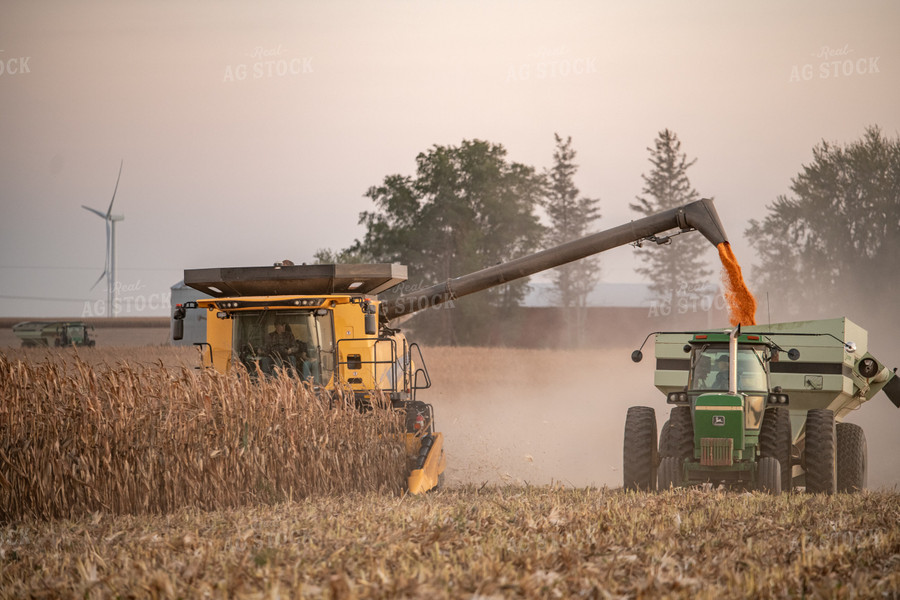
337	350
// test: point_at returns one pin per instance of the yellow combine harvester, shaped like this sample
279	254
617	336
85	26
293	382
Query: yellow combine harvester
325	323
320	323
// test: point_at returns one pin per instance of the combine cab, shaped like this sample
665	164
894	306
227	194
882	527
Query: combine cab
748	412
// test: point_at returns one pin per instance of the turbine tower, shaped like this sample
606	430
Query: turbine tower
109	268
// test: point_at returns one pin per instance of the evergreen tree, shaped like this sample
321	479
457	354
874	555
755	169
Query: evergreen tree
570	219
679	269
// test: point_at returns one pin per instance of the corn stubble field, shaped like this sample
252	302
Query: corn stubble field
127	473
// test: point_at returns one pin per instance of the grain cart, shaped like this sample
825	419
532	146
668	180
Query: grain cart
747	412
331	328
56	333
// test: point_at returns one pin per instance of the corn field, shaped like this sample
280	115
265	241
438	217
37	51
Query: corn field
133	439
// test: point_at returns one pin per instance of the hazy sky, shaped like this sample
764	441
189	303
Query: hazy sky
251	130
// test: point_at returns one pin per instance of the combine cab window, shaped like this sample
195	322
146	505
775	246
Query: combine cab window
300	343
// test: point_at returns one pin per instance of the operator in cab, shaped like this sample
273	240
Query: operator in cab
285	351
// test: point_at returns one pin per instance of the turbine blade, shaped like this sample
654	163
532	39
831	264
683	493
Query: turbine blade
106	264
99	279
109	210
94	210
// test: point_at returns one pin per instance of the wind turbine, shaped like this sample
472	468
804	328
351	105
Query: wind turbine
109	268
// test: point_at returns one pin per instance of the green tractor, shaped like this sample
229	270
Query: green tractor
750	414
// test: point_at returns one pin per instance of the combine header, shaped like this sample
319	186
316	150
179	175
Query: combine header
759	407
325	323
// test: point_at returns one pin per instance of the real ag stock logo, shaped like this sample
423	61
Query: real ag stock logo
15	65
552	63
834	63
268	63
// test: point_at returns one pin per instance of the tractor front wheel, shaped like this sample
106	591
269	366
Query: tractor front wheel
821	467
640	457
680	434
671	472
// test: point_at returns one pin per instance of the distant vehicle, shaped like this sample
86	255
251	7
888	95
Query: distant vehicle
53	333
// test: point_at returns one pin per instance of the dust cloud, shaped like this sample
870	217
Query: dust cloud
542	416
536	416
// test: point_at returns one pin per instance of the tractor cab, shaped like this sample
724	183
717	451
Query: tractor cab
713	374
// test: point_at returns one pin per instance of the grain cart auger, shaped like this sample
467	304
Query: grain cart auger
326	324
746	412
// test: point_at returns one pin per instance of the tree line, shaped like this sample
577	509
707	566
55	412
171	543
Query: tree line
469	206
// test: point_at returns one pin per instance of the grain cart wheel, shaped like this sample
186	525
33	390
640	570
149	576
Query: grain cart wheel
671	472
821	467
768	475
640	456
852	460
680	434
775	441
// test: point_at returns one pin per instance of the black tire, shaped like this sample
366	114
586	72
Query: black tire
671	472
819	453
768	475
680	434
664	438
775	440
640	456
852	459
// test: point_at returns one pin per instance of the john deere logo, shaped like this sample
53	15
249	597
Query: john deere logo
718	420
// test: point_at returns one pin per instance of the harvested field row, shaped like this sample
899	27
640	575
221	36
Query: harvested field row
470	542
135	439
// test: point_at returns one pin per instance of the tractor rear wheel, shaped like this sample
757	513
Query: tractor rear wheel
671	472
775	440
768	475
640	456
821	467
852	460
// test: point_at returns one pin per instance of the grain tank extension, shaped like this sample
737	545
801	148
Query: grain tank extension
325	323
